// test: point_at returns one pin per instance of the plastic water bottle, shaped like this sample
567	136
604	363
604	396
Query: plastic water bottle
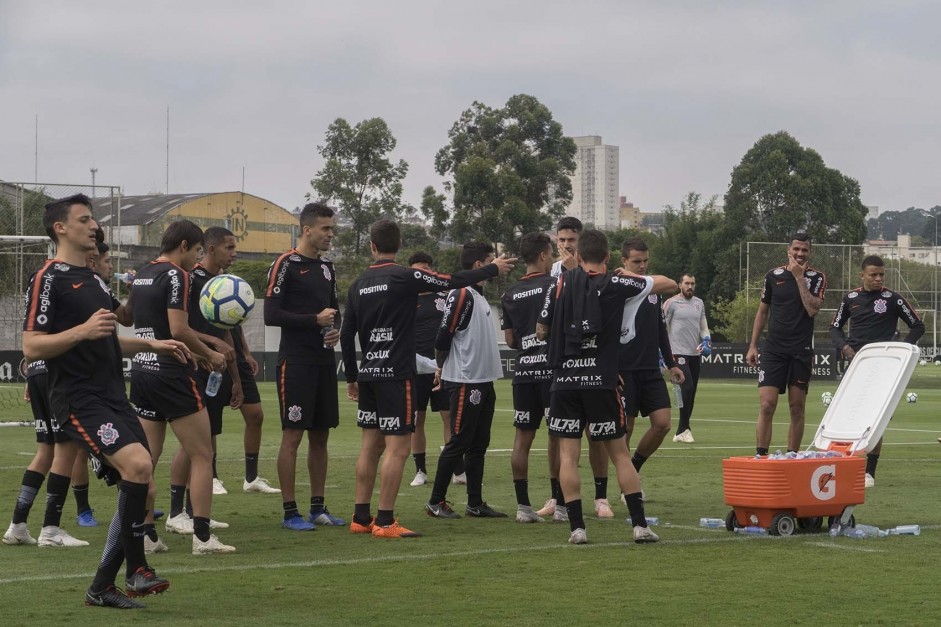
752	530
870	531
905	530
711	523
652	521
678	395
323	332
212	386
855	533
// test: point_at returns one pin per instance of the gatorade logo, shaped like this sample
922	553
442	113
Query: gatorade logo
823	482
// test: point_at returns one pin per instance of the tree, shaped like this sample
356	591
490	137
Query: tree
781	187
434	209
359	176
509	170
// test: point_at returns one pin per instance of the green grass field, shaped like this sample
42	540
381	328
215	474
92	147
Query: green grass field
499	572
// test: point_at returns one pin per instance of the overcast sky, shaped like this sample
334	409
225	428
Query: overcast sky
684	88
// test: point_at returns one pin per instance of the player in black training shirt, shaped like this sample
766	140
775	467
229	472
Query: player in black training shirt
791	297
428	315
381	311
521	305
873	313
644	340
302	300
70	325
164	391
584	310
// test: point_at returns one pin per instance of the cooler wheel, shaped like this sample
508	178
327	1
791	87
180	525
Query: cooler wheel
835	519
814	523
731	522
782	525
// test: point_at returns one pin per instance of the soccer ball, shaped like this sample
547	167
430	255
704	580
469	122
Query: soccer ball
226	301
826	398
922	363
911	397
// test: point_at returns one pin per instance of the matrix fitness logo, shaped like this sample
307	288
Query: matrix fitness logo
238	223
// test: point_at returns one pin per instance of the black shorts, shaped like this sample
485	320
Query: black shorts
424	393
781	371
530	404
47	429
103	429
249	386
165	397
215	405
471	403
307	396
601	411
644	392
388	406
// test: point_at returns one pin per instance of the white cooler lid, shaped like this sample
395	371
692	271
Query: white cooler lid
868	395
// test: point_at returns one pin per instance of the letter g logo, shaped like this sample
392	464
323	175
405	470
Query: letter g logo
823	482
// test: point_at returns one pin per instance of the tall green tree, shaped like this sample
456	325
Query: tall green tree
780	187
359	177
509	170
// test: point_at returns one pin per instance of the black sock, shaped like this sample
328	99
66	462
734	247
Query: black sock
201	528
290	509
635	506
361	514
384	518
177	494
150	530
638	460
251	466
871	460
576	519
316	504
601	488
189	503
420	462
556	490
522	491
32	481
57	490
81	498
132	524
215	473
761	451
112	556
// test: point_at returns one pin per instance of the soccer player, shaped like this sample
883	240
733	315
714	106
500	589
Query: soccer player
165	391
521	305
791	297
566	238
381	311
685	317
302	300
69	324
428	316
218	256
581	319
55	456
644	340
873	313
468	363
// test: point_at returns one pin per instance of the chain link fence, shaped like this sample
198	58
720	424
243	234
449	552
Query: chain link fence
910	271
24	245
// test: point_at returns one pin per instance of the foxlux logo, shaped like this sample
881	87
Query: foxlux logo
579	363
377	355
823	482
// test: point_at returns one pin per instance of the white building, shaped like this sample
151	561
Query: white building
595	184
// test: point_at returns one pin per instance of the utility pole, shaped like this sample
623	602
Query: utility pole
94	171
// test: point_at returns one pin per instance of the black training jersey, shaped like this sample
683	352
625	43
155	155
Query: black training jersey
428	315
381	309
520	305
299	288
790	329
644	336
61	296
160	286
197	321
873	317
596	365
